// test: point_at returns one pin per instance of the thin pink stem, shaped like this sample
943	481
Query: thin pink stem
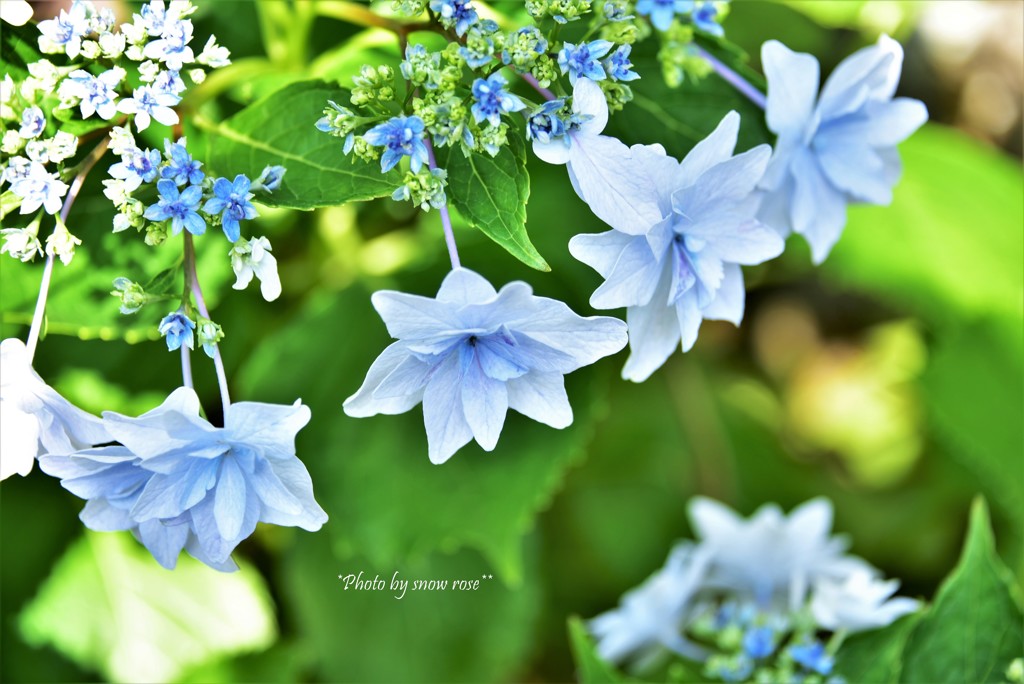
446	219
192	280
545	93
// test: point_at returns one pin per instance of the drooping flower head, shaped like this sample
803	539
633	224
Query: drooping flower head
177	329
35	419
472	353
178	482
401	136
705	17
619	67
231	200
835	147
181	207
492	100
253	258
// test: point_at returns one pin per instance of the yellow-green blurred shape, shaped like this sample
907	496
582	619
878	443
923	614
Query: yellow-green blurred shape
860	402
109	607
870	17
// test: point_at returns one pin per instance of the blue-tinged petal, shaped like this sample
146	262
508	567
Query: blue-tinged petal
229	499
614	185
484	405
447	429
600	251
724	184
156	213
214	206
294	476
880	124
632	280
793	80
819	210
541	397
408	377
270	427
271	490
232	230
689	315
537	356
102	516
412	316
492	315
83	429
173	424
729	300
167	189
463	286
84	463
653	334
108	481
165	542
500	360
856	170
664	173
875	69
588	99
554	151
363	404
195	224
222	188
738	238
554	324
191	195
776	209
712	150
241	185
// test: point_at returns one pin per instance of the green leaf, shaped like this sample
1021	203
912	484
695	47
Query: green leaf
18	50
974	629
109	607
485	501
875	656
280	130
590	668
491	193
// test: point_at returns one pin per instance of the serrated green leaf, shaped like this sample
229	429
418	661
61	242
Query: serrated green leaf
280	130
486	501
590	668
875	656
109	607
976	626
491	193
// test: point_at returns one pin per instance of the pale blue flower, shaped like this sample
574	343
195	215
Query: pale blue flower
401	136
181	207
38	188
98	94
837	147
662	12
479	48
148	102
681	233
269	180
180	482
704	17
577	139
169	82
32	123
619	67
66	30
137	167
546	123
812	656
181	167
491	100
177	329
231	200
457	14
759	641
472	353
584	60
172	47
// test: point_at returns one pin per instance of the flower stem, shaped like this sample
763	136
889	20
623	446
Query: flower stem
186	366
446	219
44	285
732	78
192	282
531	79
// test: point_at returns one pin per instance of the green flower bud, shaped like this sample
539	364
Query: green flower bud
131	294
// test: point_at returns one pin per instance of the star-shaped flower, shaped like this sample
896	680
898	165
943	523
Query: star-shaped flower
472	353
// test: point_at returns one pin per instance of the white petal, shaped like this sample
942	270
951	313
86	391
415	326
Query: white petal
632	280
689	315
554	151
819	210
653	334
463	286
792	86
270	427
600	251
874	70
714	149
712	520
447	429
484	405
614	185
229	499
542	397
270	282
729	298
19	440
587	98
413	316
363	404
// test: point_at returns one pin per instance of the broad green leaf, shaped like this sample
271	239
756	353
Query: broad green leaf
590	668
109	607
18	49
491	193
875	656
976	626
280	129
393	503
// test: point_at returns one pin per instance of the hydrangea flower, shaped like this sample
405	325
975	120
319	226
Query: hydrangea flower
231	200
648	617
22	243
182	169
662	12
181	207
578	139
253	258
472	353
858	602
619	67
32	122
457	14
837	147
172	47
65	31
136	167
177	329
148	103
37	188
491	100
681	231
269	180
584	60
169	82
180	483
400	136
98	94
705	17
812	656
35	419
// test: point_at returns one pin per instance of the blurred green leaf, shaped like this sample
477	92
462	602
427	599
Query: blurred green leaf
976	626
108	606
18	49
590	668
492	192
390	502
280	129
875	656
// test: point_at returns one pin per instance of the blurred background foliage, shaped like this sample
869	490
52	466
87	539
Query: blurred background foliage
889	380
